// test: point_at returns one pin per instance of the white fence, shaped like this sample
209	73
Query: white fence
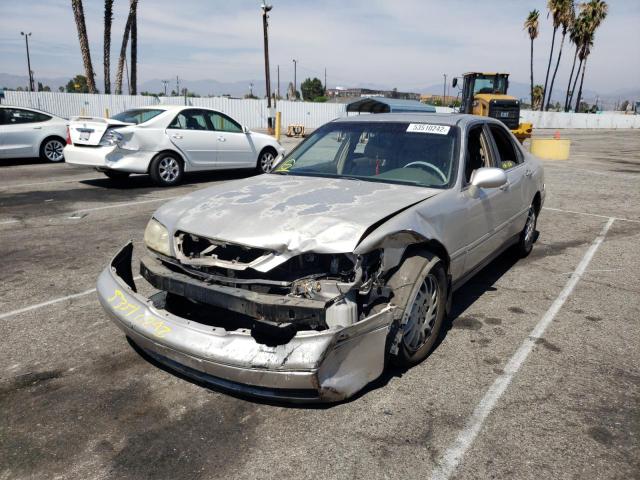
253	113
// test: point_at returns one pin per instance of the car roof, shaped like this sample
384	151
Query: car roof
460	119
33	110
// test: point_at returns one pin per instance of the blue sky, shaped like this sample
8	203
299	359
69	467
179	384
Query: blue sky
403	43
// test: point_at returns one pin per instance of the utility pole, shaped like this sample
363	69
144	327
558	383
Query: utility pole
325	80
444	89
251	89
177	86
26	41
278	81
165	83
265	26
295	87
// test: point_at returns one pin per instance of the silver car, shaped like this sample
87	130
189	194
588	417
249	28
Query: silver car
302	283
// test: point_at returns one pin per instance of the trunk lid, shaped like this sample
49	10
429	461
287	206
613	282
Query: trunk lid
90	130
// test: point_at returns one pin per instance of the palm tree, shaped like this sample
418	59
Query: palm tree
78	13
596	12
576	35
567	17
134	50
123	48
555	8
531	25
108	18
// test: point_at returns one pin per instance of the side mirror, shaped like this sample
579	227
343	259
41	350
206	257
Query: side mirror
488	178
245	129
454	83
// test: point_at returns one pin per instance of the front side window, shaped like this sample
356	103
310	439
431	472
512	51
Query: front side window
222	123
421	154
191	120
137	115
509	157
477	154
13	116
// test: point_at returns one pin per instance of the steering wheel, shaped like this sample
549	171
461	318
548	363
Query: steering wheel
429	166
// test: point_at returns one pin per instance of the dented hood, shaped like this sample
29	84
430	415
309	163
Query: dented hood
289	214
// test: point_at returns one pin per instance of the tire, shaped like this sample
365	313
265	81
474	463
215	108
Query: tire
51	149
528	234
265	160
115	175
166	170
419	289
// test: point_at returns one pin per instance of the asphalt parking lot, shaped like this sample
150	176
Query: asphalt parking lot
501	396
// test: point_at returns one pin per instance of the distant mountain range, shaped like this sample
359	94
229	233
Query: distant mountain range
241	88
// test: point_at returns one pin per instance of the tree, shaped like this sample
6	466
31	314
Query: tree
123	49
108	18
312	89
538	94
567	17
531	26
78	84
555	8
61	89
78	13
596	13
576	35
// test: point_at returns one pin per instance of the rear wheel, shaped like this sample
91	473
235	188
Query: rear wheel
115	175
265	160
420	292
166	170
52	149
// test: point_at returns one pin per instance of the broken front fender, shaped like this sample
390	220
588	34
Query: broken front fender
327	365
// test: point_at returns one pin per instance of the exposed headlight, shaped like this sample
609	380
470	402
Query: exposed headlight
111	138
156	237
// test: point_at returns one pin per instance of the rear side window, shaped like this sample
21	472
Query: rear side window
138	115
13	116
509	154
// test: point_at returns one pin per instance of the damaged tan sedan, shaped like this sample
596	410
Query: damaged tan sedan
303	283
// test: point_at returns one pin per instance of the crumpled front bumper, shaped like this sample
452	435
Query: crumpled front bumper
328	365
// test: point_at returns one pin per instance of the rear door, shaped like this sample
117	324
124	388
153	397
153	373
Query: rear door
511	205
235	148
192	133
21	131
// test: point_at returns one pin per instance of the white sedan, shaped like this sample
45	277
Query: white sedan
26	132
165	142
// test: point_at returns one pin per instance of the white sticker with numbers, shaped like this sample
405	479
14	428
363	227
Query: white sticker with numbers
428	128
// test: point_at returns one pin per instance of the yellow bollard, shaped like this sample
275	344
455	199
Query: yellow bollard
106	113
278	125
550	148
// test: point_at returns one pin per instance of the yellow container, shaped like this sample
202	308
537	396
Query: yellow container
550	148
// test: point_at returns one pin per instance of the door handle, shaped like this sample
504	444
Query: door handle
222	139
177	136
37	128
528	172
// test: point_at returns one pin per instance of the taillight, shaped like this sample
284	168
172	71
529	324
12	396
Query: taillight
68	136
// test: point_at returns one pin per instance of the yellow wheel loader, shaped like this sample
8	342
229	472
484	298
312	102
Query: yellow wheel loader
486	94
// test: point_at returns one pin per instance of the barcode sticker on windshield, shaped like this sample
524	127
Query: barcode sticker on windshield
428	128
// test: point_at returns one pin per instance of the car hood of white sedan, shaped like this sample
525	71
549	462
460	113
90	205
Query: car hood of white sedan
289	214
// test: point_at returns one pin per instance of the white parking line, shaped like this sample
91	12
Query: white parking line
452	457
6	222
51	302
122	204
590	214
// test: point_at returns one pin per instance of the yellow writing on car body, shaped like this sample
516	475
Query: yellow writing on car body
121	304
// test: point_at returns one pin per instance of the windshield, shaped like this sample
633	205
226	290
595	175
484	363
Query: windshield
420	154
138	115
490	84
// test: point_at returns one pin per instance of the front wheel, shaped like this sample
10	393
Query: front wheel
419	289
52	150
265	160
166	170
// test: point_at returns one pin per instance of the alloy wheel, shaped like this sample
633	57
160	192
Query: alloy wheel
168	169
53	150
530	227
266	161
423	314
